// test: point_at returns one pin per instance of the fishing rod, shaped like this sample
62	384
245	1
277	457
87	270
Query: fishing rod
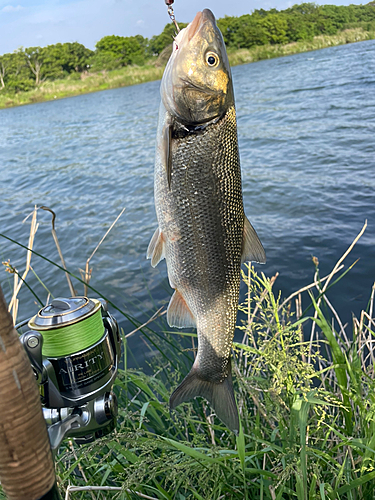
26	463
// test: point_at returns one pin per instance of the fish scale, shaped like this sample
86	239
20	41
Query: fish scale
204	205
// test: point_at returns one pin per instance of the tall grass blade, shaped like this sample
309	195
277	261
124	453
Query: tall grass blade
358	482
340	364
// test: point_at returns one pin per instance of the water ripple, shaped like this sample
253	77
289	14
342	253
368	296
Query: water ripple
306	134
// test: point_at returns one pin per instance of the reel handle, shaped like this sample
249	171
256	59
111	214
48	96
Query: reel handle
32	342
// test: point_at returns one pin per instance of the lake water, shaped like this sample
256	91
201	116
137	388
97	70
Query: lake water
306	126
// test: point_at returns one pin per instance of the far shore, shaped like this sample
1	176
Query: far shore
132	75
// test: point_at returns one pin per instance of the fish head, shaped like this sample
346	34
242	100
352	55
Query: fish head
197	84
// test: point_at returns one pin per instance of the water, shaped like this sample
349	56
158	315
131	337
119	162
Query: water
306	127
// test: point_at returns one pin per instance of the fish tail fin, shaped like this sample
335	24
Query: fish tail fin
219	394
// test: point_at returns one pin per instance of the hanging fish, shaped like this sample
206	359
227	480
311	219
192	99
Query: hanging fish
203	232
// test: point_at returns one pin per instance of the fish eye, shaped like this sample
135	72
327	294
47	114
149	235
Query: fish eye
212	59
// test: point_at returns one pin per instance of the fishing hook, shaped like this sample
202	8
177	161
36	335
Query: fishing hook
169	3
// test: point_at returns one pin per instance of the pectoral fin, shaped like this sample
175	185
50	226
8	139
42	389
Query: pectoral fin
178	312
155	250
166	154
252	248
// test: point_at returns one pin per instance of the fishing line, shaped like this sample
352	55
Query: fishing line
169	4
66	340
132	321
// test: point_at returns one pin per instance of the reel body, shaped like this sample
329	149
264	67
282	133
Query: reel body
74	348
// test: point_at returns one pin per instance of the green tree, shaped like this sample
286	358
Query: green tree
264	13
275	27
118	51
17	74
250	31
337	16
5	68
304	9
299	27
365	13
73	57
63	59
244	31
229	26
35	58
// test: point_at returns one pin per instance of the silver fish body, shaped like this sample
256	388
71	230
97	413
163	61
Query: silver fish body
203	231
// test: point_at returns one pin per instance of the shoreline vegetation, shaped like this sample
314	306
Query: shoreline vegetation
37	74
133	75
304	385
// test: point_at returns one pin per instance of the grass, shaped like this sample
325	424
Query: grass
90	82
306	393
132	75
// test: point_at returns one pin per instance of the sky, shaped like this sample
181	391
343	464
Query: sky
28	23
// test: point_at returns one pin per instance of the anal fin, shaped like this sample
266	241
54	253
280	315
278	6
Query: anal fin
155	250
178	312
252	248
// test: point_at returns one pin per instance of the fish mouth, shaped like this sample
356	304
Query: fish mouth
189	83
199	20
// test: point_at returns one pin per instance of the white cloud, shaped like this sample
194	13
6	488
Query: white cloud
140	22
11	8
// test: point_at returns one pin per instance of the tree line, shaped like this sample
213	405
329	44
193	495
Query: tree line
27	68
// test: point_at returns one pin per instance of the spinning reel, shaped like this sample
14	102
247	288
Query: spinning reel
74	348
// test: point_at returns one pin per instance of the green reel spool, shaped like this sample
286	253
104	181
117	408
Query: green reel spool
69	326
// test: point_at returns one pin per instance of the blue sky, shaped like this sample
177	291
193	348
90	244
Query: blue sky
26	23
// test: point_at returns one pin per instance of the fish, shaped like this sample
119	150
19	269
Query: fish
202	232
